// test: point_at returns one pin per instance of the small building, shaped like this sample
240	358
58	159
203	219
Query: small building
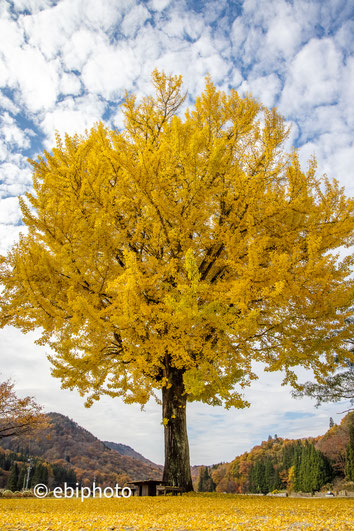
146	487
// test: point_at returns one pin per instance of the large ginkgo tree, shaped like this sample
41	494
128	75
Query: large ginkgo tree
162	260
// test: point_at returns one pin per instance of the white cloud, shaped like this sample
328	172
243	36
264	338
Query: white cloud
159	5
134	19
251	46
9	234
72	115
10	213
181	24
50	29
344	37
69	84
111	71
32	5
12	134
80	47
284	33
8	104
313	76
238	35
35	78
236	78
11	35
15	173
335	155
104	15
265	88
346	101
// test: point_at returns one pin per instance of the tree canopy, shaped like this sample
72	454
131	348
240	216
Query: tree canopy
194	238
18	416
339	387
333	388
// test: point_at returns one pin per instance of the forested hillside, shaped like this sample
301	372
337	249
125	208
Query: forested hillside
67	444
20	471
305	465
67	452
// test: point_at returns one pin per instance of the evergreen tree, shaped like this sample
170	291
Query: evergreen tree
205	481
252	480
312	469
71	477
277	482
21	478
13	477
321	471
268	475
263	476
40	474
7	463
297	465
349	465
200	485
63	475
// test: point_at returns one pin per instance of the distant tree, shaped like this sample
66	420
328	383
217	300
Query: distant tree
312	469
167	257
21	477
331	422
205	481
290	483
335	388
349	465
13	477
40	474
63	475
259	476
18	415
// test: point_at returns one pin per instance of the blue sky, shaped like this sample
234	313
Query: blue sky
65	64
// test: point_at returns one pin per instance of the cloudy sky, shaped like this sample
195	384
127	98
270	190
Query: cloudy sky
65	64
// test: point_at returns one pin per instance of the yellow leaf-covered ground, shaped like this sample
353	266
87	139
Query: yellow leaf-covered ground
188	512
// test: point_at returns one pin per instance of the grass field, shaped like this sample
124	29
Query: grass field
189	512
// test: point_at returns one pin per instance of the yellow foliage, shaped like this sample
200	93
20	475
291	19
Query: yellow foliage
195	512
188	241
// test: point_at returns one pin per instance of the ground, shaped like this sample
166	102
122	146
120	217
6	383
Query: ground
195	512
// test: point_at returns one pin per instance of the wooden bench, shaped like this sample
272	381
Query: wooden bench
162	490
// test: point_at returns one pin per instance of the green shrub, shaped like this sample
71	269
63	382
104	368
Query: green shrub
7	494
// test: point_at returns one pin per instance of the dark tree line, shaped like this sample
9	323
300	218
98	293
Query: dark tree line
349	465
205	481
53	475
311	469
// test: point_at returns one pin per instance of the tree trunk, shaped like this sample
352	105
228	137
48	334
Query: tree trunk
177	469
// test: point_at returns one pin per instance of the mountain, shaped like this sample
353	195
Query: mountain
306	464
123	449
67	444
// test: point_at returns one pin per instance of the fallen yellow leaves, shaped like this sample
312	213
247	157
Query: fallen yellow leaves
195	512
